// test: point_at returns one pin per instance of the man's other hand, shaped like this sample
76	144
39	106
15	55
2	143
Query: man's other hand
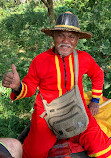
94	108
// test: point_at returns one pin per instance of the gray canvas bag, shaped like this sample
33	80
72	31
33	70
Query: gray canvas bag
66	115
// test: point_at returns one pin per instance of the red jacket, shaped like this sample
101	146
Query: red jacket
54	76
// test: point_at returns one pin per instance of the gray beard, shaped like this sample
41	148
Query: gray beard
64	54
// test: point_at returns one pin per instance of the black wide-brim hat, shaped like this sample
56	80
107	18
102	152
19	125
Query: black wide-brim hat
67	22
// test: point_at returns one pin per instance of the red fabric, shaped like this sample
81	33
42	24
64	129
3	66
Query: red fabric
43	73
62	148
104	98
40	140
95	140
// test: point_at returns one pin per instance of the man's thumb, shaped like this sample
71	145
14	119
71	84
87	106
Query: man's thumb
14	69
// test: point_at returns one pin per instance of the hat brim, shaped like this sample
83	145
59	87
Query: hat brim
82	35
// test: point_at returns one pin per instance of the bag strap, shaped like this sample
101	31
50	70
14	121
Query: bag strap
76	79
76	66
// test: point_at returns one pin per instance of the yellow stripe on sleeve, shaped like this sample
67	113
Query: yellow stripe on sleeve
58	75
25	91
97	96
96	91
21	93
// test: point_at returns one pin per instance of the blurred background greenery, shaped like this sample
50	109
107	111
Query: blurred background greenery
21	40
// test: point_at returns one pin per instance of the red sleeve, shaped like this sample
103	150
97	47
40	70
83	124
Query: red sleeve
29	83
97	77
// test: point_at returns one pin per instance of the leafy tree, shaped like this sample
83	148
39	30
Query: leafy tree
49	5
6	3
21	40
17	2
94	16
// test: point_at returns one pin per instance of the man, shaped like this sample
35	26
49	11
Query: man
10	147
53	72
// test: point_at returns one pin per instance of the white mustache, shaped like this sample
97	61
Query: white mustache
66	45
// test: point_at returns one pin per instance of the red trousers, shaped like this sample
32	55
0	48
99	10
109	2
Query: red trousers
40	139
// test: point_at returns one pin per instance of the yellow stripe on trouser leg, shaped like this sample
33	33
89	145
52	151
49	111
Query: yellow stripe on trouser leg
109	156
58	75
101	152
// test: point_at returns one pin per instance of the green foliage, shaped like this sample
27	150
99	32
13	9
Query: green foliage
94	16
14	115
6	3
20	37
21	40
12	125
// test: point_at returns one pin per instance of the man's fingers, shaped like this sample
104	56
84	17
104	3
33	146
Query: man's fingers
8	75
11	79
14	69
6	83
7	79
94	111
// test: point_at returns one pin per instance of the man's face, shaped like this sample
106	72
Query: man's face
65	42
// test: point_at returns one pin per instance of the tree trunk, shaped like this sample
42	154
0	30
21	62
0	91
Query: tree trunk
35	1
17	2
51	11
28	2
49	5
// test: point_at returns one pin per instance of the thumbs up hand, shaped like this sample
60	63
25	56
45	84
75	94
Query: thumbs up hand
11	79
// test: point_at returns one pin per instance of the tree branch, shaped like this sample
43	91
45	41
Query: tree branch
46	4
